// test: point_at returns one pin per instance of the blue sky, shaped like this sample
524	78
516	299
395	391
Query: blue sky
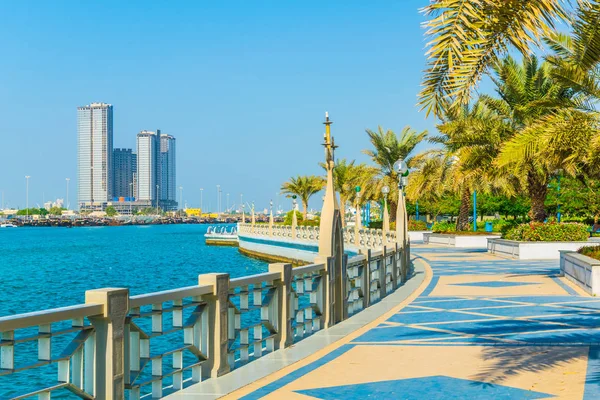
242	85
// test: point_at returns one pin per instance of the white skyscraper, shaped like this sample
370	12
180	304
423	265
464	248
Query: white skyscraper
95	155
147	166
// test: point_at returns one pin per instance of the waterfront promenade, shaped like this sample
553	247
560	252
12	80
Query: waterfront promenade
476	326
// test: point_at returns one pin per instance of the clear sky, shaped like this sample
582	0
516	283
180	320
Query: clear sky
242	85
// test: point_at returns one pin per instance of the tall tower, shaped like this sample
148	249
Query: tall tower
123	165
148	167
94	155
168	183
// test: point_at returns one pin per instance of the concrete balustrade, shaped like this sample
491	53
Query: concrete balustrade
114	348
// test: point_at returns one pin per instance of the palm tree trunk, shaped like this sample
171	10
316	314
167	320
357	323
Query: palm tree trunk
538	189
462	223
304	210
392	205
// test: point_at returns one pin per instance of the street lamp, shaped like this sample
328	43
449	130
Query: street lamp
218	199
385	217
357	218
401	169
68	205
27	195
201	209
181	196
558	174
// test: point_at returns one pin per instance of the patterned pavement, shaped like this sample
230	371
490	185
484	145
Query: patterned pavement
482	328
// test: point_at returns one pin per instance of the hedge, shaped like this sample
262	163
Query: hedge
548	232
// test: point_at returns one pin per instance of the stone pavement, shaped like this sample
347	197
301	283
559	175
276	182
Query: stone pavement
479	327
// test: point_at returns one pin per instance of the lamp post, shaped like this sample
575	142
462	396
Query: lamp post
417	208
401	219
558	175
271	218
218	200
201	209
357	218
27	195
385	227
241	200
474	210
130	198
227	209
181	196
68	205
294	216
243	213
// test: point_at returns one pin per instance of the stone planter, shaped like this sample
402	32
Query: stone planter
448	239
582	270
416	236
533	250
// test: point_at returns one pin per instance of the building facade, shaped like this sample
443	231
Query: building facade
148	147
94	155
123	169
168	181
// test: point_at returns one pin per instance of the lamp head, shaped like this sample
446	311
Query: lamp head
400	167
385	190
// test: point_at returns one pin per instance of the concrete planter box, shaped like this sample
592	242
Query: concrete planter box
448	239
582	270
533	250
416	236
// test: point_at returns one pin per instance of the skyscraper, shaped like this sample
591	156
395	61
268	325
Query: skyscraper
168	183
148	148
94	155
123	169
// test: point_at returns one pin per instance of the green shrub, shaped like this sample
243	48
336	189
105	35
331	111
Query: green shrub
376	224
590	251
444	227
548	232
414	225
288	218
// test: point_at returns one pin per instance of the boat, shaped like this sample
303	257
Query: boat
7	226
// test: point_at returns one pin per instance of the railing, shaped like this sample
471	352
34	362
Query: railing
368	238
153	344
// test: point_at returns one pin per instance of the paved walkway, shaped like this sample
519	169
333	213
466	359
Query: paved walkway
479	327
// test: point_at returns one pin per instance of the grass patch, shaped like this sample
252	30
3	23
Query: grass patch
590	251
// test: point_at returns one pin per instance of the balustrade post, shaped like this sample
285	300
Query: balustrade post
217	305
284	338
109	369
382	274
367	281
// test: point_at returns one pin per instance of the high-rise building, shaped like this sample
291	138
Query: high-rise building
123	164
134	171
94	155
168	183
148	181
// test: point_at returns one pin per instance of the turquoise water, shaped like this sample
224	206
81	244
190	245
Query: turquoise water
43	268
53	267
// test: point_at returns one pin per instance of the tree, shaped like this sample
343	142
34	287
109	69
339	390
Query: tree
471	136
466	38
387	148
532	102
346	177
304	187
111	211
55	211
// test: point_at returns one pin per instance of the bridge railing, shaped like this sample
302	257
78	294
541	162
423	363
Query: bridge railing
153	344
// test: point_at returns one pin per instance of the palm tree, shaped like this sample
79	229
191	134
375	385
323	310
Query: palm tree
467	37
304	187
532	103
471	137
388	147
